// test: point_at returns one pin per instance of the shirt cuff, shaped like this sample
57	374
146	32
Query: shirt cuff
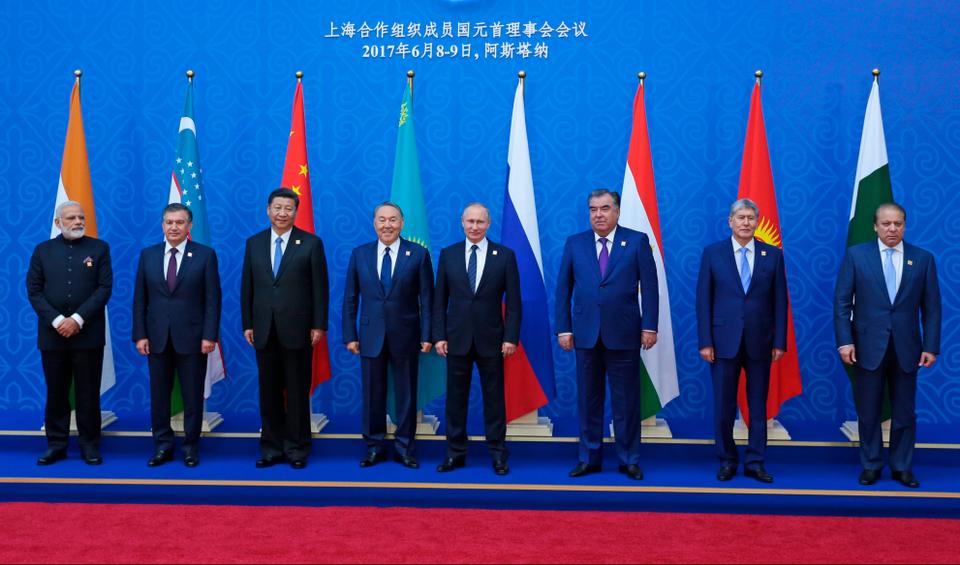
842	347
561	334
650	331
57	321
78	319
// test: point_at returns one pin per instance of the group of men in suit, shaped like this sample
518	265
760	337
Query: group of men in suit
607	301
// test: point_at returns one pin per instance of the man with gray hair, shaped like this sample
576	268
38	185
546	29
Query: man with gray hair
742	327
69	283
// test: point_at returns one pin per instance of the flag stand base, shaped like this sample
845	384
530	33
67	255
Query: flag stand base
318	422
651	427
851	429
107	417
531	424
210	421
775	431
427	424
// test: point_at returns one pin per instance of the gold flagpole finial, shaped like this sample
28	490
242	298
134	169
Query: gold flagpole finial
78	73
759	74
299	76
876	75
641	76
190	74
410	75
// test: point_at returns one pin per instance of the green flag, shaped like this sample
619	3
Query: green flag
871	188
407	192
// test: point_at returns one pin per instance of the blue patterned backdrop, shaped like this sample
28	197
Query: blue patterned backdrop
700	58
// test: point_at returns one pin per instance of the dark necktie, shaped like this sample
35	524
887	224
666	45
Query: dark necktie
472	268
604	257
172	270
386	276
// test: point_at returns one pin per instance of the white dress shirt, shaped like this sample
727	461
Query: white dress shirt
273	243
751	252
897	258
610	238
394	252
481	256
181	249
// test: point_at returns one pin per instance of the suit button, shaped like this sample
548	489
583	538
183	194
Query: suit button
69	282
69	270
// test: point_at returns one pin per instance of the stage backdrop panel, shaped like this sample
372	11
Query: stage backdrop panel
699	56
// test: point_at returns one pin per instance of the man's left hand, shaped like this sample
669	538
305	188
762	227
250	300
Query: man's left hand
68	327
927	360
777	354
425	346
207	346
648	339
316	336
508	348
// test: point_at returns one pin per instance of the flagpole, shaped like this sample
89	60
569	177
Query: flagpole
759	74
876	75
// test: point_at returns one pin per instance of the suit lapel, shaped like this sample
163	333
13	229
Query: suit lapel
371	262
619	246
399	263
876	267
186	262
730	260
160	257
488	262
907	276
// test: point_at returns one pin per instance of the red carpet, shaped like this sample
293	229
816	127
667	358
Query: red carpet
113	533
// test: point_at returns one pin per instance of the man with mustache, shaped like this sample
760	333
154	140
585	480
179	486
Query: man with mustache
69	283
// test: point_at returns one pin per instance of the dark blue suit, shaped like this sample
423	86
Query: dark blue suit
743	328
393	324
888	341
607	325
175	323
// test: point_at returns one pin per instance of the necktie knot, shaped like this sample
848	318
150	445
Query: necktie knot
474	247
173	251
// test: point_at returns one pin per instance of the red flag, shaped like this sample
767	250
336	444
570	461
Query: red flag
296	176
756	183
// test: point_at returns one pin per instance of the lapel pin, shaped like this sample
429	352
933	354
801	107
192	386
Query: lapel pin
623	244
494	252
296	242
189	254
763	253
407	253
910	262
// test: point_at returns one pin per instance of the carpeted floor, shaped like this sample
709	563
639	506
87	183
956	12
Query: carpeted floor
124	533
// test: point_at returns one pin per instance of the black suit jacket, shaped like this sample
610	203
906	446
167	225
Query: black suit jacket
297	301
463	318
187	315
70	277
401	316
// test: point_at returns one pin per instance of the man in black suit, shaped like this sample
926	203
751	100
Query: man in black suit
69	283
391	280
471	326
284	299
176	323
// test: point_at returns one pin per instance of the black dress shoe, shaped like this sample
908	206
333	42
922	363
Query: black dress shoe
298	463
906	479
500	467
408	461
583	469
372	458
191	460
869	476
726	472
632	471
451	463
160	457
759	474
51	456
264	462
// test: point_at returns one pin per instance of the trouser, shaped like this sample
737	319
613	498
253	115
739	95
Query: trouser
726	379
374	371
83	368
284	377
459	373
622	366
191	369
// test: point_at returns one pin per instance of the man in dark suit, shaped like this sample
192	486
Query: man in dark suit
69	283
176	323
887	320
391	280
284	300
601	274
471	325
742	327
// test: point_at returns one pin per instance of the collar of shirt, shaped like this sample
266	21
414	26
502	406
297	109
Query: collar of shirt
180	248
394	249
883	246
610	238
736	246
285	237
481	245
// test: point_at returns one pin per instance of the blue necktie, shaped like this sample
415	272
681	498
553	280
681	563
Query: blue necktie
472	269
890	275
745	274
277	255
386	276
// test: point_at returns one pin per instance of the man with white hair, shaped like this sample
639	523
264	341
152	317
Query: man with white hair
69	283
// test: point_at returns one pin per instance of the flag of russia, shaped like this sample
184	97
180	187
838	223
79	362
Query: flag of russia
529	377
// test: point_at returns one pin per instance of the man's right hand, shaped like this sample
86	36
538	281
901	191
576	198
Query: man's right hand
565	341
848	354
143	346
354	347
708	354
68	327
248	335
441	348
